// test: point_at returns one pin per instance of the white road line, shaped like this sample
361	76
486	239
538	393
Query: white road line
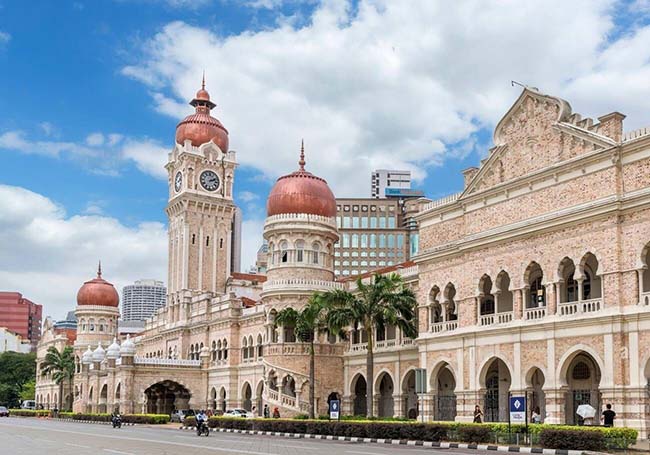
155	441
77	445
118	452
362	453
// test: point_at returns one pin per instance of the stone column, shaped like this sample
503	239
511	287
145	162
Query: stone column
580	290
347	404
518	303
639	273
555	406
375	405
551	298
399	405
426	406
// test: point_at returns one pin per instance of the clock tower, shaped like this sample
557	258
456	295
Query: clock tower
200	209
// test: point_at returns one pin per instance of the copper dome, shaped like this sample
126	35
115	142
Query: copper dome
201	127
98	292
301	192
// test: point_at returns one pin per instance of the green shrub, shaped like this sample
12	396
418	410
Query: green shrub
189	421
552	438
301	417
30	412
476	433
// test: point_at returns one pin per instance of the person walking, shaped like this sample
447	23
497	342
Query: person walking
608	416
478	414
276	413
267	411
536	417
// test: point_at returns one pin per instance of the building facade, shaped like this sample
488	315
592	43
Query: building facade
10	341
21	316
383	179
534	279
141	299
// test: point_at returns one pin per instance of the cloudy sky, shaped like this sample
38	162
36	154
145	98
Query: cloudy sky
90	94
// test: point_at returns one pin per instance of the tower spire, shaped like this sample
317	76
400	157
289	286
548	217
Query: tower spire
99	269
302	162
203	81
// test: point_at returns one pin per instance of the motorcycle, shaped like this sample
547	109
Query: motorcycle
202	429
117	421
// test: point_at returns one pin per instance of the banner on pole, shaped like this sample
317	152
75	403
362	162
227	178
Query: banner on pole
517	409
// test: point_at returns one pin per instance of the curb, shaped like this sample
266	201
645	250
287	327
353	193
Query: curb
97	422
404	442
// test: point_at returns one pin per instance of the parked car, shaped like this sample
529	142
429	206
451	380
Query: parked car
4	412
180	414
238	413
28	404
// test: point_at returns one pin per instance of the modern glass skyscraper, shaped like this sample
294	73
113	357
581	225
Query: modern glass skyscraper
141	299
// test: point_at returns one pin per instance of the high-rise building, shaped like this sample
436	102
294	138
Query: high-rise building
141	299
386	183
21	316
262	260
374	233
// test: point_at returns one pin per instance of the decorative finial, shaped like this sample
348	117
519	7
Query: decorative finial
302	163
99	270
203	81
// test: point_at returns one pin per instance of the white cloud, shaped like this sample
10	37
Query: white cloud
95	139
16	140
148	155
4	37
248	196
47	255
252	229
393	84
48	128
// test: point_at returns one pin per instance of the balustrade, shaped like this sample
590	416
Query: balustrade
531	314
496	318
167	362
447	326
580	307
645	299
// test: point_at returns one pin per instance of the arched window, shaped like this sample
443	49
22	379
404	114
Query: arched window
284	254
536	295
225	349
244	348
449	295
315	247
300	250
214	350
591	284
251	347
486	299
260	347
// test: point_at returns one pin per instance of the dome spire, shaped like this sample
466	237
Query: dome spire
99	269
302	162
203	81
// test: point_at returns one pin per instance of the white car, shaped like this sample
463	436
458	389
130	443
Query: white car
238	413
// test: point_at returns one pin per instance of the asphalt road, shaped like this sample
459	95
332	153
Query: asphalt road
22	436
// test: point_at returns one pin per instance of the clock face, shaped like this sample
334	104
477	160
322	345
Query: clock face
209	180
178	181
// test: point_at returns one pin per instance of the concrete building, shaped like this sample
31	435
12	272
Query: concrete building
262	260
534	279
383	179
10	341
21	316
236	241
375	233
141	299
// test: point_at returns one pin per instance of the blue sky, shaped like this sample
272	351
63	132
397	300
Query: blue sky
91	92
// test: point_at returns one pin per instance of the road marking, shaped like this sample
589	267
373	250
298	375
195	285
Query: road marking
77	445
155	441
119	452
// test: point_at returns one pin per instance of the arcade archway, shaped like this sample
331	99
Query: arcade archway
166	396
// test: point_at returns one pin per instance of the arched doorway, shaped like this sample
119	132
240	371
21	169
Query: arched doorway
247	395
583	381
289	386
360	388
258	398
537	401
386	402
409	397
496	382
222	399
103	397
166	396
213	399
445	386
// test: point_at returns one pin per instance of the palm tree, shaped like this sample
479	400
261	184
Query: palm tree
61	365
307	322
385	301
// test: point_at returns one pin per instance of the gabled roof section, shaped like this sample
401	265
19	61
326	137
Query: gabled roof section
538	131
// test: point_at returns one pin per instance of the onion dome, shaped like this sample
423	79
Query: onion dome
128	347
99	354
301	192
87	357
113	351
201	127
98	292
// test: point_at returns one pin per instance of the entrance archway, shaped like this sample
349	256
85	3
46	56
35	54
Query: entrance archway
386	402
166	396
534	382
247	395
583	381
360	388
445	401
409	397
222	399
213	399
258	398
103	397
496	382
